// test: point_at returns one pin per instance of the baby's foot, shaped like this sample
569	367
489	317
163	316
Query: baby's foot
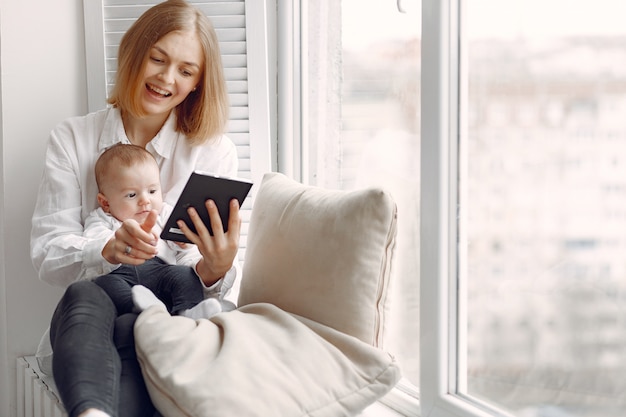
92	412
203	310
228	305
143	299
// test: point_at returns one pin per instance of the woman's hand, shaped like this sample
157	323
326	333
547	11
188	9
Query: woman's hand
133	243
218	251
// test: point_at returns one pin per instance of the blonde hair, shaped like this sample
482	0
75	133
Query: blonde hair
120	156
203	114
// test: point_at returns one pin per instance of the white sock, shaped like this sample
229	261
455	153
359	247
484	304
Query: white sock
203	310
143	298
92	412
228	306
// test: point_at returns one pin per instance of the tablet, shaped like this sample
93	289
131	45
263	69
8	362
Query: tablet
200	187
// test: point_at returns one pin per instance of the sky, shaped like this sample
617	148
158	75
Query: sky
545	18
373	20
369	21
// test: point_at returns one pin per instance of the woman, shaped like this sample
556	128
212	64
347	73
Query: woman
170	98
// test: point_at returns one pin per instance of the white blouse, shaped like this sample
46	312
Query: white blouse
67	194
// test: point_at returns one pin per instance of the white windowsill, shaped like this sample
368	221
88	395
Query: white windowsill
397	403
379	410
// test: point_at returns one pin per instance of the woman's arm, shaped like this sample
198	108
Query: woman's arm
214	260
217	266
67	194
57	242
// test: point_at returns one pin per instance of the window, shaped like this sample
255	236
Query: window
358	64
523	272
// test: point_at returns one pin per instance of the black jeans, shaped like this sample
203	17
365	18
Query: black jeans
94	362
177	286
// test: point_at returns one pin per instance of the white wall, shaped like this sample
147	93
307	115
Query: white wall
42	81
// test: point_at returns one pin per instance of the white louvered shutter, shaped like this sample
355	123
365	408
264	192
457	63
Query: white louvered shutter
241	31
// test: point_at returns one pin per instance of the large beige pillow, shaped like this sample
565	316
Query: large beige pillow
322	254
257	361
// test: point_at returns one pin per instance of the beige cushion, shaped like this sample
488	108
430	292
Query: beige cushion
306	338
322	254
257	361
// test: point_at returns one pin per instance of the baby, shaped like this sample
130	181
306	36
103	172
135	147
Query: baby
129	188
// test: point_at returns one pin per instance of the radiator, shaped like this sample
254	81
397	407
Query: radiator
36	395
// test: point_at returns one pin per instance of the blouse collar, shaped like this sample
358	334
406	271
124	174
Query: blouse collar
163	144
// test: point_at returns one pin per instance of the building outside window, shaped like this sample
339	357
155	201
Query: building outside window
525	221
545	206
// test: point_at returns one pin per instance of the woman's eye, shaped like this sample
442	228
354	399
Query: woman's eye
186	73
157	60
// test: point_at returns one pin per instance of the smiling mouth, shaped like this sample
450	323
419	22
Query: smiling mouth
158	91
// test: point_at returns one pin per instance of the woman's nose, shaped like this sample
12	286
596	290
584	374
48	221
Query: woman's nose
166	75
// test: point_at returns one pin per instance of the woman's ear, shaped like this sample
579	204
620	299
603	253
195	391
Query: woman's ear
104	202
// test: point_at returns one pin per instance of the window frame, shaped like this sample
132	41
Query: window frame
289	87
440	54
442	295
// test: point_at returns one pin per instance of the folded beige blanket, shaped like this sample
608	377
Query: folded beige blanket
258	361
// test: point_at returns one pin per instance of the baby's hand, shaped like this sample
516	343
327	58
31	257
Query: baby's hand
149	223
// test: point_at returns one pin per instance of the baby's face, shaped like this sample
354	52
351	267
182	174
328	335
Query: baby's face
133	192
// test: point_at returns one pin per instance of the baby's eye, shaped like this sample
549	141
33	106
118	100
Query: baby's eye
132	195
153	191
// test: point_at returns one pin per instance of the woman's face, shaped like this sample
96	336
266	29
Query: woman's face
173	70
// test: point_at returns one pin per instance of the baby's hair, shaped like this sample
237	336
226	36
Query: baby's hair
121	155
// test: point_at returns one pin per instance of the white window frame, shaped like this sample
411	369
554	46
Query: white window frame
289	88
438	198
443	367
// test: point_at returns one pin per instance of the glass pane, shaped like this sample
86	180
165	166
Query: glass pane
362	93
545	206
